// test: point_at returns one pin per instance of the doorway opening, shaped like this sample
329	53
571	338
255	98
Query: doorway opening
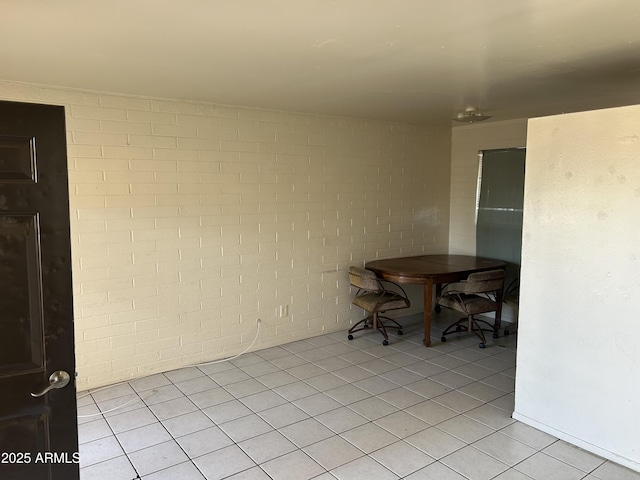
499	205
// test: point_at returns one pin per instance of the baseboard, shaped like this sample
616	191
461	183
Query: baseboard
625	462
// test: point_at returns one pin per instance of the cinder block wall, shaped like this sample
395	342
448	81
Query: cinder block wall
189	221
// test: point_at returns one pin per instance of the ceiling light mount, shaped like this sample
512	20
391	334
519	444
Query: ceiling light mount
470	115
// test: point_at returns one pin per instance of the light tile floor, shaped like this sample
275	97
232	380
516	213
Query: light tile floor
328	408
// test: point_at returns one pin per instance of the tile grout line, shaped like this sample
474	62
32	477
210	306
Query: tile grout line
312	354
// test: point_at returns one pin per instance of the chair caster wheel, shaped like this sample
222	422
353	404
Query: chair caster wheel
400	332
495	335
506	332
385	342
350	337
444	339
437	308
481	345
458	328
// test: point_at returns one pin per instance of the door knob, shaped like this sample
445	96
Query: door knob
57	379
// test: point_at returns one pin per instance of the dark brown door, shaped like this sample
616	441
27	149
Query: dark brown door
38	431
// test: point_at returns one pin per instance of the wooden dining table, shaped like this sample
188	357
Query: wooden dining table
430	270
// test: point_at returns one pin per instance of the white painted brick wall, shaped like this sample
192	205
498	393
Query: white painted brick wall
189	221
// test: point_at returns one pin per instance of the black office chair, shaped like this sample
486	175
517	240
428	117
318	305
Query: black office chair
473	297
374	298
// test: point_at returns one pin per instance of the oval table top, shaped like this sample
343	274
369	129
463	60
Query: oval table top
439	268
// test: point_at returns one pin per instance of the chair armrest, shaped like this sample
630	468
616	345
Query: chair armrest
399	287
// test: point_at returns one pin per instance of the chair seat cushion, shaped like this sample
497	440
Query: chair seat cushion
471	304
380	301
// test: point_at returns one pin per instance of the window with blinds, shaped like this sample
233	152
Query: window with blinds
499	204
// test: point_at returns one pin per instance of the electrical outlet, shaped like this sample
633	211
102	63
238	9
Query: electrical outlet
284	311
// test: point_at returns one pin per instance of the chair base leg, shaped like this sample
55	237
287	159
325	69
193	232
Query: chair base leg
377	322
511	328
474	326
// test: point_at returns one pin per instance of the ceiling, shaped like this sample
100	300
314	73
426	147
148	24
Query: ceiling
415	61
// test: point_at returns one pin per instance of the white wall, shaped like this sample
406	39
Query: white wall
189	221
466	142
578	357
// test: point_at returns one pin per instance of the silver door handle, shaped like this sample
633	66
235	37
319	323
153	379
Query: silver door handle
57	379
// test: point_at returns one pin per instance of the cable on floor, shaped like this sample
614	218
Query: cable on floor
102	412
258	322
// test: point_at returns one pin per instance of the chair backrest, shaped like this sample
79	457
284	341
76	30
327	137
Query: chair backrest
483	282
364	279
